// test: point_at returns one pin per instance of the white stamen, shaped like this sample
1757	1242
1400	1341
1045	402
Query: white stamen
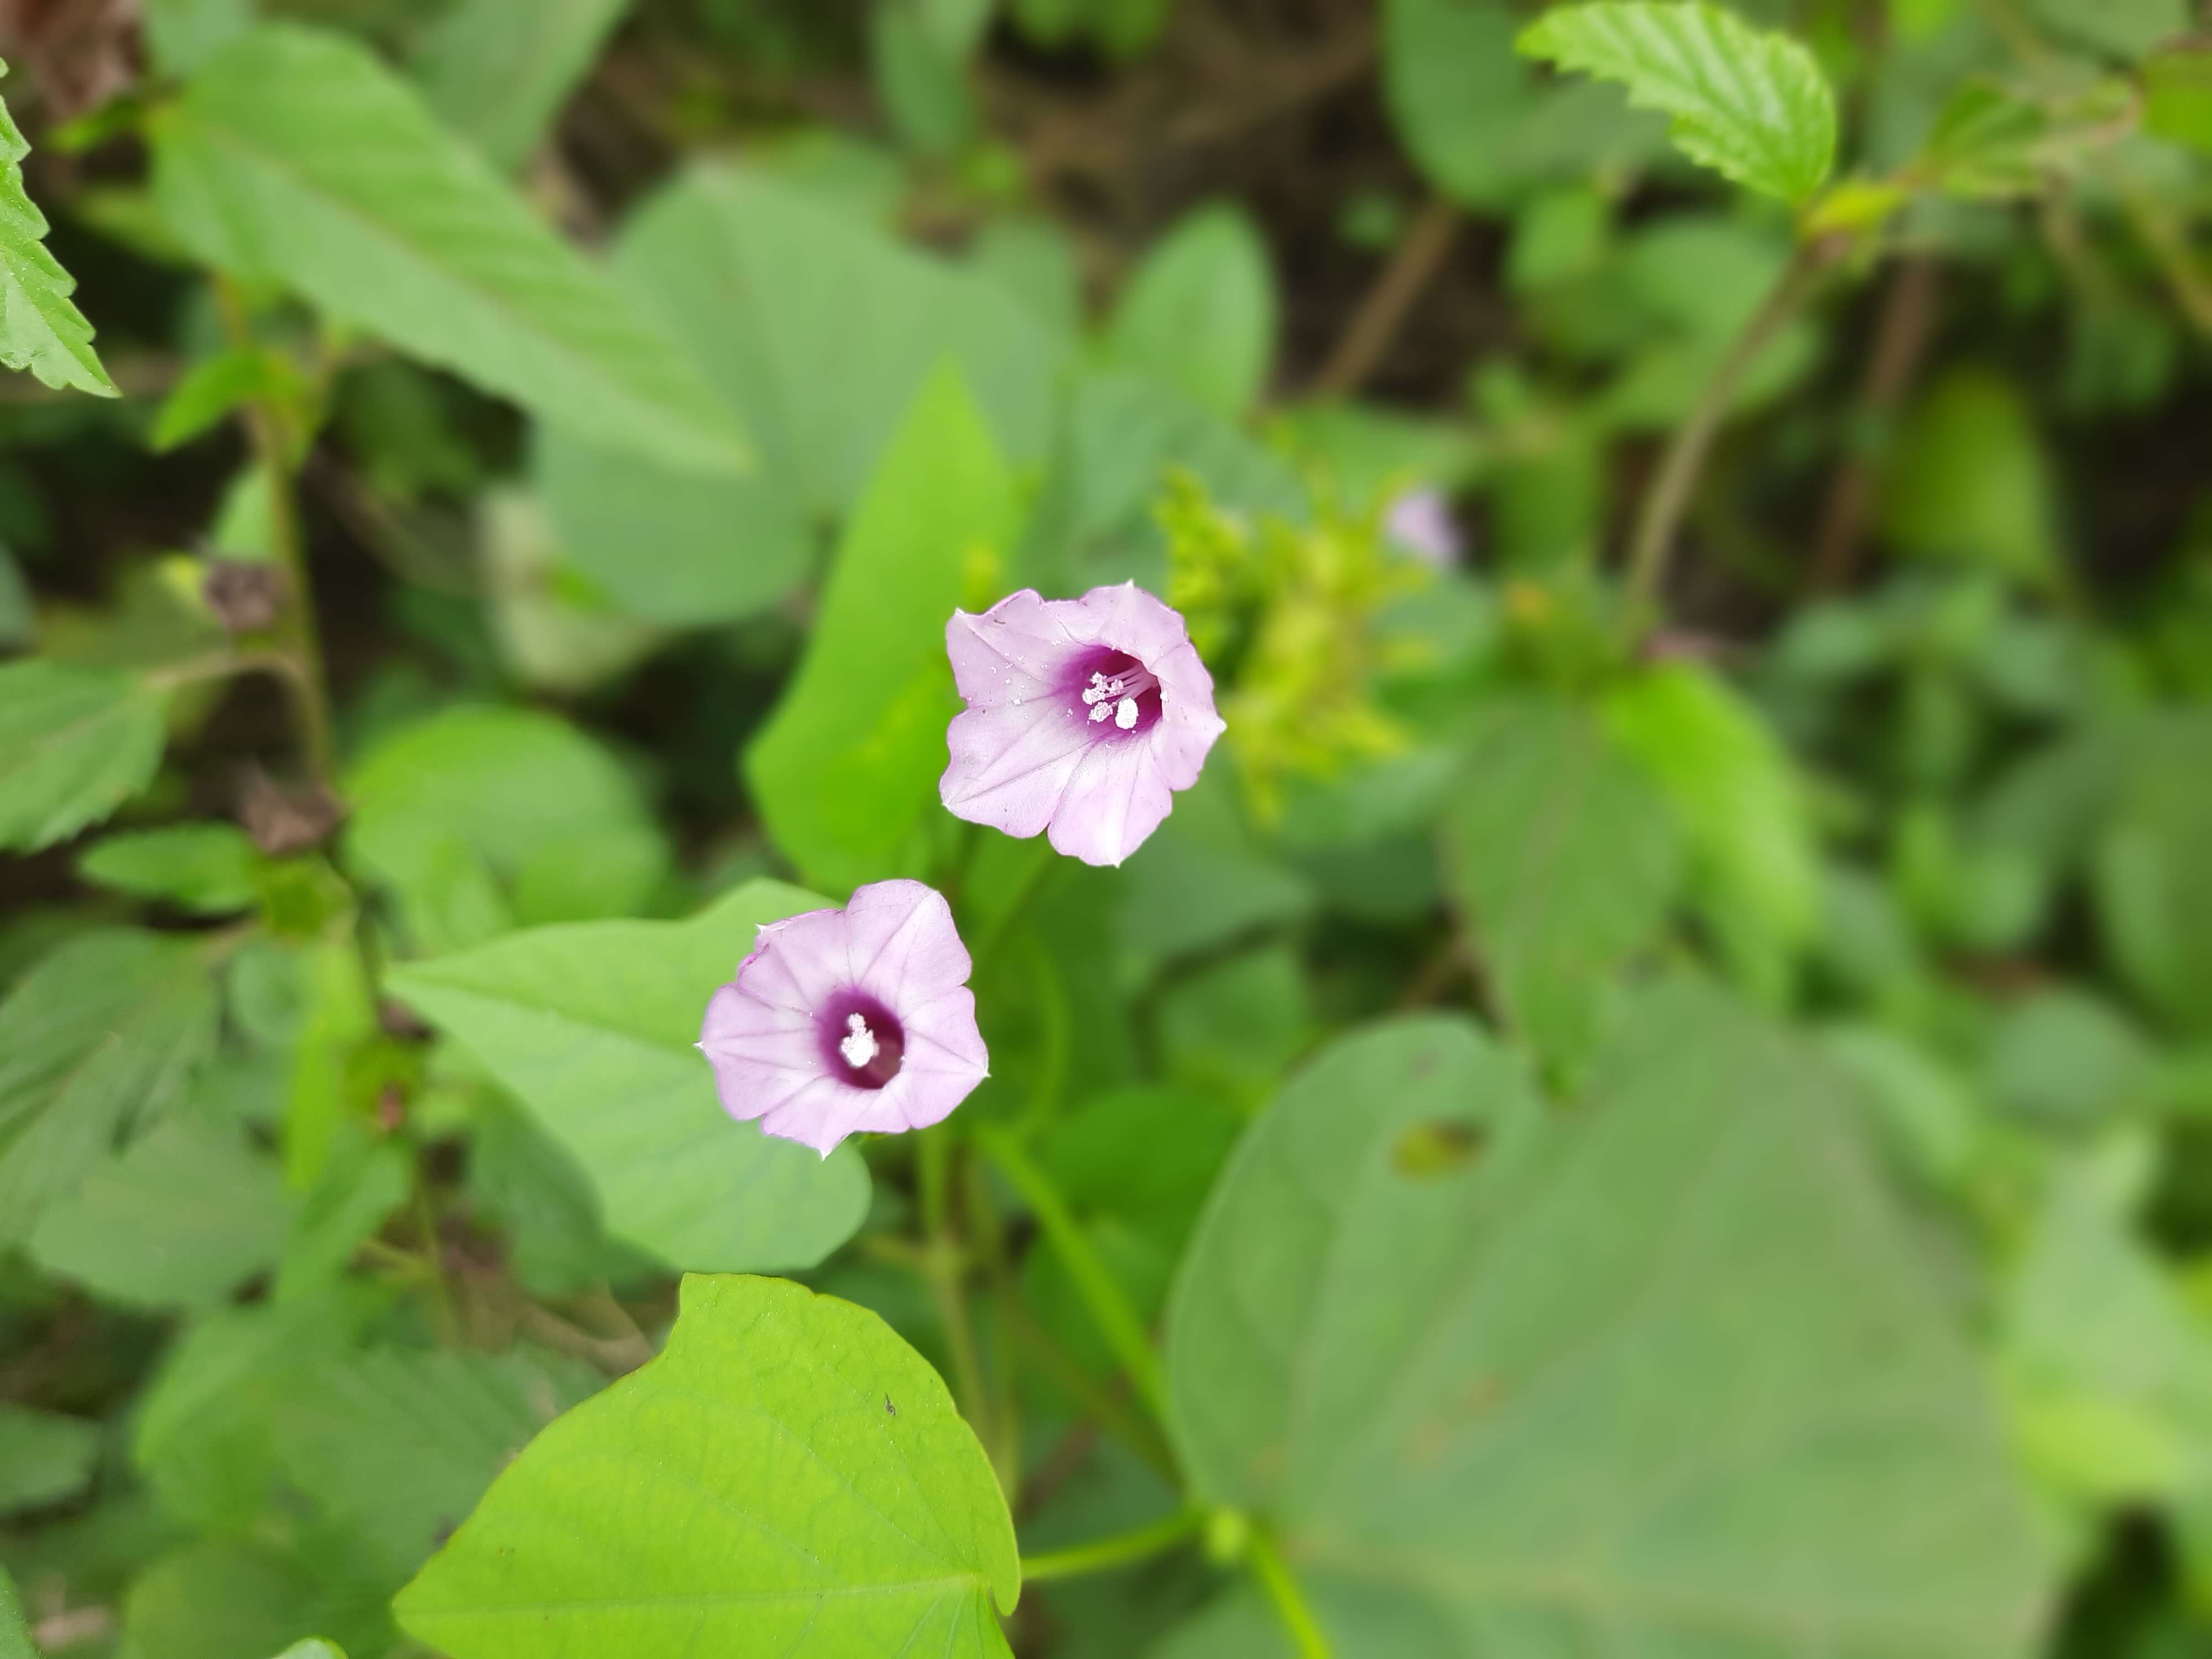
859	1045
1116	695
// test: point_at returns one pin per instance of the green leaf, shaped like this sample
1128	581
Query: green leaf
921	81
594	1027
1970	478
452	814
1659	1376
395	1445
181	1219
1993	141
14	1629
1754	868
44	1458
810	1486
1564	858
313	1648
361	1180
2107	1371
818	330
1205	879
846	769
39	329
1123	436
19	623
203	1435
497	71
1122	29
2152	880
554	632
295	157
2065	1060
225	1598
1233	1026
2178	98
1475	121
75	745
2122	28
182	35
211	868
1200	312
216	386
104	1033
1750	103
543	1204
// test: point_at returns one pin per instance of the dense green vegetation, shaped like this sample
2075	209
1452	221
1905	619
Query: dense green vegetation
1651	1096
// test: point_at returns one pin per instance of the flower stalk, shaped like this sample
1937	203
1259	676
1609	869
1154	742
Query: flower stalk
1102	1294
1684	458
1121	1550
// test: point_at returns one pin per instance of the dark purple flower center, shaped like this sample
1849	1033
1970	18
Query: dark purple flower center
1114	693
862	1042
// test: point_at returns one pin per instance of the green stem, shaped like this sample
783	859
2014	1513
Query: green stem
303	638
1103	1554
943	1267
1669	495
1102	1293
1101	1405
990	1237
220	665
1042	859
1290	1601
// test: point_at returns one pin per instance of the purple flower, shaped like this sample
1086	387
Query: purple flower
1083	717
842	1021
1421	521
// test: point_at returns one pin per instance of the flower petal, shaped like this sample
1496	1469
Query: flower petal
798	962
942	1040
1017	651
903	947
1010	766
762	1053
1116	799
1126	618
820	1114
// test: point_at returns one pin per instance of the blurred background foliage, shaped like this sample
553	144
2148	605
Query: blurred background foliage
1369	343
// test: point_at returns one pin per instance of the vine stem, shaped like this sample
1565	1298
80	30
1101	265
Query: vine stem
1100	1555
990	1244
1102	1293
304	640
942	1265
1290	1601
1669	495
1031	880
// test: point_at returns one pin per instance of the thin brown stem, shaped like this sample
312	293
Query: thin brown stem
434	1254
1908	319
616	1357
1413	263
1669	495
2167	243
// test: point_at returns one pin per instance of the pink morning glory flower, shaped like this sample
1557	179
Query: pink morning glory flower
1083	717
851	1020
1421	521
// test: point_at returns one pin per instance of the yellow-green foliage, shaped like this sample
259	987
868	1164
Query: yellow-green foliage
1288	617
